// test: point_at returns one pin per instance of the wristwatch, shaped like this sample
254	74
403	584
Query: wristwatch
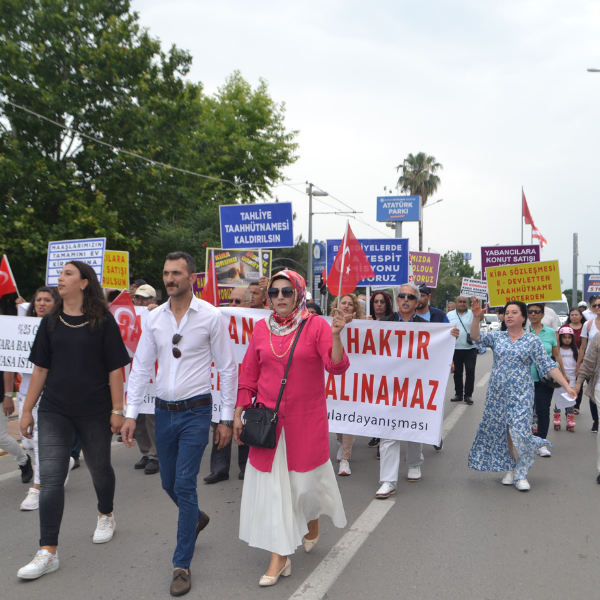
118	412
228	423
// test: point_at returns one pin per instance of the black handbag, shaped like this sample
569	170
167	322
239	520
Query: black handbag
548	380
260	422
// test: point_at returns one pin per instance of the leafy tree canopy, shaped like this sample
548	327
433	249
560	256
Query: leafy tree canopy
90	68
453	267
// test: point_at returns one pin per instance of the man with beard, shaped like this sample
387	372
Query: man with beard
185	335
429	313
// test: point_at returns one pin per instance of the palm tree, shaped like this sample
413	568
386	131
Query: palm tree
419	179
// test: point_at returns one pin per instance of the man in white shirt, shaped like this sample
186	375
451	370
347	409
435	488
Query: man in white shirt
465	353
185	335
587	313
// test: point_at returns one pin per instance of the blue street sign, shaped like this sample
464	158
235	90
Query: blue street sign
591	286
388	257
398	208
256	226
319	257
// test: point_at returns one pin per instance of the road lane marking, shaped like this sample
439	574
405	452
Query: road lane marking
316	585
483	381
452	419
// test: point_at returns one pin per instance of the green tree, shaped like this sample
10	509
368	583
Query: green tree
569	294
453	267
418	177
91	67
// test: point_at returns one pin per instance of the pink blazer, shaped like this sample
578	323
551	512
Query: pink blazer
303	409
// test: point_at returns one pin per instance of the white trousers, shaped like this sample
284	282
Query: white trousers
389	464
31	444
8	443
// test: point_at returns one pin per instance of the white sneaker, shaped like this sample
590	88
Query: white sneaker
523	485
71	463
344	468
385	491
32	500
104	530
544	451
43	562
340	453
414	473
509	478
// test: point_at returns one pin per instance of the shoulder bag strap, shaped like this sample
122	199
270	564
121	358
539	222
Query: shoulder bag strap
284	380
463	325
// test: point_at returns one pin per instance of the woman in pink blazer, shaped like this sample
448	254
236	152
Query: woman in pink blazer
286	489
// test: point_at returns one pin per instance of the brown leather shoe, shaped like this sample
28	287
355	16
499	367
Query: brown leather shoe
202	523
182	582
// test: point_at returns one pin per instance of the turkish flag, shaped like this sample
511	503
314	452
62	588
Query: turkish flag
210	293
129	323
356	266
526	213
7	281
537	235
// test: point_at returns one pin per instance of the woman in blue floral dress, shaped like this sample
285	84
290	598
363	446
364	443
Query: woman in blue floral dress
505	429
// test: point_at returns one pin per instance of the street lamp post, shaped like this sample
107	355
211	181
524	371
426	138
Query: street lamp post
311	193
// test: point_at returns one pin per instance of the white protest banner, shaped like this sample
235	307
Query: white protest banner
89	251
16	340
474	287
396	382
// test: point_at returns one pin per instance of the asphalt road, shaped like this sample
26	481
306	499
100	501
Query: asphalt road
456	534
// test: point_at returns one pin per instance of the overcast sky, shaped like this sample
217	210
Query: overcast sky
498	92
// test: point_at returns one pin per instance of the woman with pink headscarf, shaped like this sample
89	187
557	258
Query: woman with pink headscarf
288	488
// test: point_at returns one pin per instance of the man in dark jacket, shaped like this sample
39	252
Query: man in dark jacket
389	450
426	312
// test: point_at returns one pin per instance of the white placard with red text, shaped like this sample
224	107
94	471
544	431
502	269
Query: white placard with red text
396	383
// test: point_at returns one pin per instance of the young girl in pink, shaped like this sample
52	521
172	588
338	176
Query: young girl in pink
569	355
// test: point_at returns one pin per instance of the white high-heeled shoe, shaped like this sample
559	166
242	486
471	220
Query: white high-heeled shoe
267	580
309	544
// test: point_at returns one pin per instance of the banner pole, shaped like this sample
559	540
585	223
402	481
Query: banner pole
368	303
260	265
521	215
214	274
344	245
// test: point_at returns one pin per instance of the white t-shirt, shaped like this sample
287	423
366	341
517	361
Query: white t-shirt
589	331
569	361
588	314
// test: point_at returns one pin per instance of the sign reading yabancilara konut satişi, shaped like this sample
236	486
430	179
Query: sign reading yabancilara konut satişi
256	225
398	208
388	257
89	251
496	256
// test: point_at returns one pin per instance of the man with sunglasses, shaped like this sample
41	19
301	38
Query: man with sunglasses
185	335
389	450
240	297
220	459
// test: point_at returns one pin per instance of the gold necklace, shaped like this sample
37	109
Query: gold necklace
72	326
288	348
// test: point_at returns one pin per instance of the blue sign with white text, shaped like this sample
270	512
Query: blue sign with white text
591	286
388	257
398	208
256	226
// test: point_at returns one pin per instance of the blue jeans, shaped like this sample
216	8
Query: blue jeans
180	438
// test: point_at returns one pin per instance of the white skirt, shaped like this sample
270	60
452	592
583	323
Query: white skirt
277	506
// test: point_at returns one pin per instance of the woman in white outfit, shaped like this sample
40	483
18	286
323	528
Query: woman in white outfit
42	303
287	488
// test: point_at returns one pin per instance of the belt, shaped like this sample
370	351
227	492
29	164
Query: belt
184	404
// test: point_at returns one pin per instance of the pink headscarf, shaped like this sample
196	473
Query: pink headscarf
284	325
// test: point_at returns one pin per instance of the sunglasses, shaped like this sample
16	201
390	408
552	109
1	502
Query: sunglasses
286	292
534	311
409	296
595	305
235	301
176	339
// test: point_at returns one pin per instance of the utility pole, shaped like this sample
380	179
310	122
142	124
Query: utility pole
575	254
309	269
